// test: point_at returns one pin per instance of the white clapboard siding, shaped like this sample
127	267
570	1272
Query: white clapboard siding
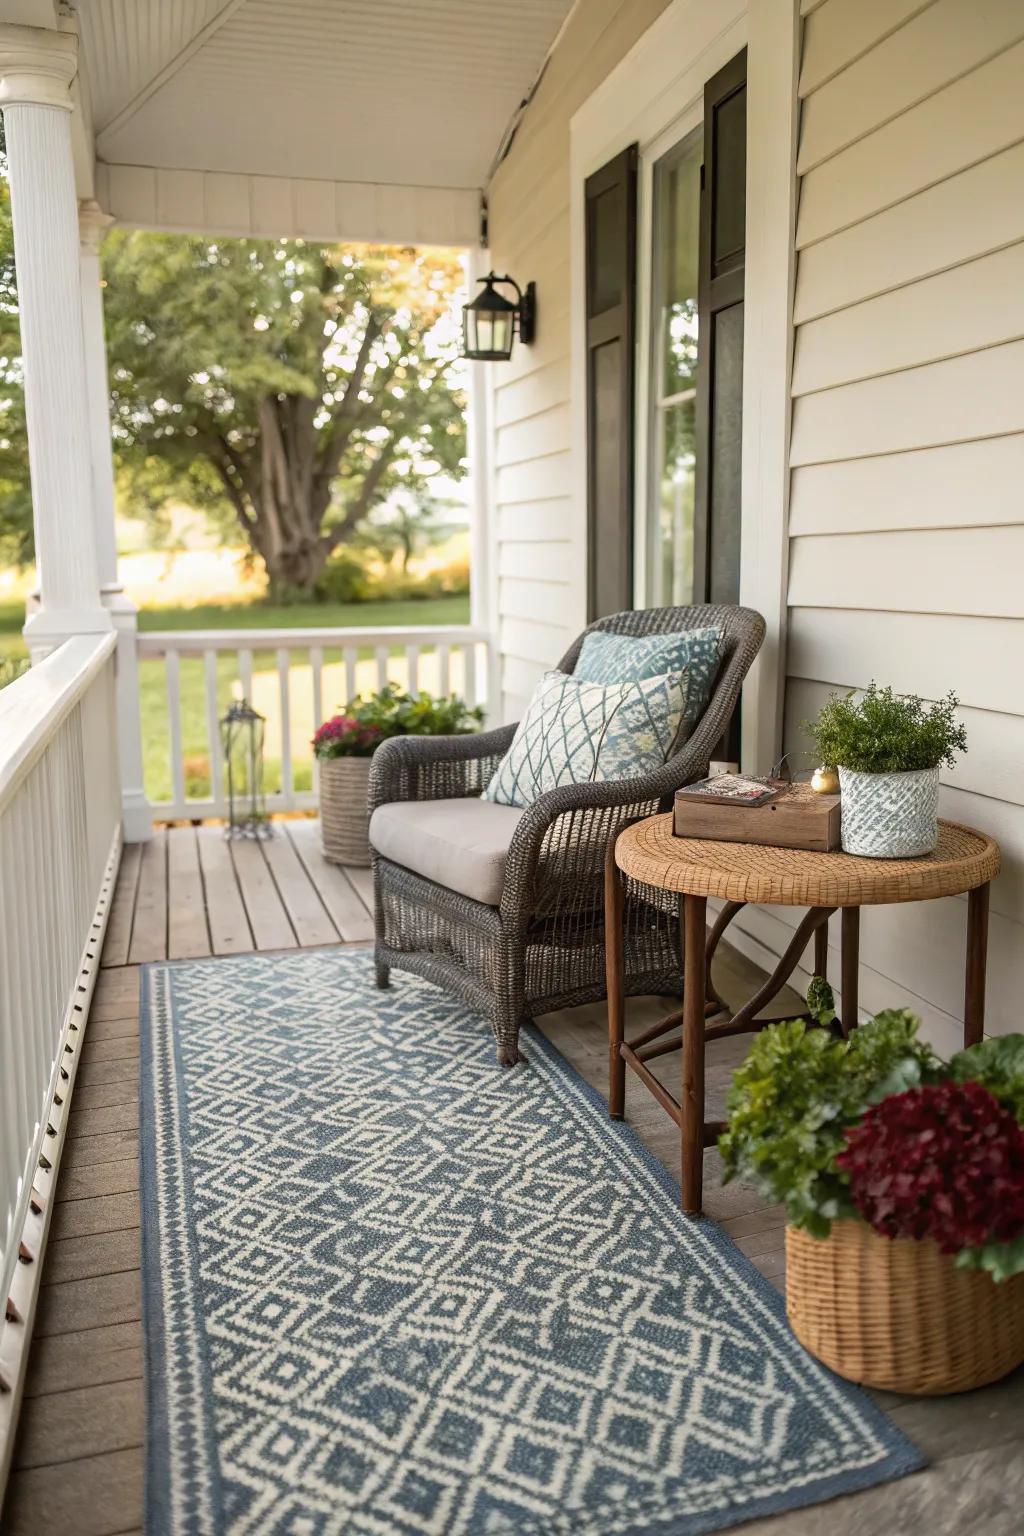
980	659
524	558
944	570
952	486
907	445
534	436
535	479
937	46
542	522
982	304
980	209
975	116
529	227
528	640
537	390
977	395
839	32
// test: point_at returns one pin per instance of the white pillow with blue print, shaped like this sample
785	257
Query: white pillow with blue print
606	657
577	732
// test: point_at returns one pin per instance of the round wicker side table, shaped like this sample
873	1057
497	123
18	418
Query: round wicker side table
965	860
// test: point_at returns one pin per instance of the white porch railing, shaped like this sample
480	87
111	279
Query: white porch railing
60	837
295	678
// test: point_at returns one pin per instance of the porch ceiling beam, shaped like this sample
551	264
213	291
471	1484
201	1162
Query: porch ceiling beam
278	207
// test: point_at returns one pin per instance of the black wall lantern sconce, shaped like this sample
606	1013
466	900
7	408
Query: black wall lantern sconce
490	321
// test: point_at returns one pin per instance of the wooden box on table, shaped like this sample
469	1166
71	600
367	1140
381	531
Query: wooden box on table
798	818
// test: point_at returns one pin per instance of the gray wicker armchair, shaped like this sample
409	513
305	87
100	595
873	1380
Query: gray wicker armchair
542	946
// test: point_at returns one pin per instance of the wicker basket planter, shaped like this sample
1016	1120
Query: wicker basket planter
344	813
890	815
899	1314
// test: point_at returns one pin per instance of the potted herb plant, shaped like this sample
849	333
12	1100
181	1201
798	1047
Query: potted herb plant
344	745
903	1181
888	750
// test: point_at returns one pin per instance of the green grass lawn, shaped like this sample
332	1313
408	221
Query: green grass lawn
195	746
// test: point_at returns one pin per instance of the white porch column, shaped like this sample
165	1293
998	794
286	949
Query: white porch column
93	224
36	70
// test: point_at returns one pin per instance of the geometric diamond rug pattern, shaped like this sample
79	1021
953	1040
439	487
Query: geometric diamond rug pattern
391	1287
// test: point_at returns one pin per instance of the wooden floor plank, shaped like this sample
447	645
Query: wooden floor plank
305	909
337	893
98	1121
230	933
118	936
113	1029
101	1147
267	916
100	1253
91	1303
103	1213
149	933
96	1496
362	883
101	1094
116	1178
87	1358
84	1421
188	937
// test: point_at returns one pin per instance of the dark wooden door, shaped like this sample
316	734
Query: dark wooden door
610	297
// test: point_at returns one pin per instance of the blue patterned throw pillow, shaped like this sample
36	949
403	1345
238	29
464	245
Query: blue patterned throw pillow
609	658
575	732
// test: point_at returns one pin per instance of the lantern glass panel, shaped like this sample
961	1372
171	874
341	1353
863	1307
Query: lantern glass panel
242	738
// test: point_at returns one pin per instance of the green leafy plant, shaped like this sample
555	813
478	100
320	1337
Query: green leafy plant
794	1097
997	1064
364	723
884	732
803	1099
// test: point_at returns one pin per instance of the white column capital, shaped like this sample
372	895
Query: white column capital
37	67
93	224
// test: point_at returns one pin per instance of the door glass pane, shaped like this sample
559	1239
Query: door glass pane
672	460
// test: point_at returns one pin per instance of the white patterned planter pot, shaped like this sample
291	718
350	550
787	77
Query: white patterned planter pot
344	811
890	815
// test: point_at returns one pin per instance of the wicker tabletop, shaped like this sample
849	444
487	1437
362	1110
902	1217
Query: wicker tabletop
964	860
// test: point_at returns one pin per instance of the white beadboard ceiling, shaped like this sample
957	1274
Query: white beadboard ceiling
416	93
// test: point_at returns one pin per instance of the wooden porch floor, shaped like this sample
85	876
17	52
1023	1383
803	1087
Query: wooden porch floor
190	893
78	1466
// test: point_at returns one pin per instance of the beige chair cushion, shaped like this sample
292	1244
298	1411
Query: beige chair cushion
462	844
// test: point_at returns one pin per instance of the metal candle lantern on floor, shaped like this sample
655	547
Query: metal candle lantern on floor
242	733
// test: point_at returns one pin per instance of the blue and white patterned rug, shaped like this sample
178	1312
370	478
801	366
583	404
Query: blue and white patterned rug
391	1288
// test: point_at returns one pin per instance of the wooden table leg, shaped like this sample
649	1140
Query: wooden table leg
692	1100
613	908
850	965
821	951
977	949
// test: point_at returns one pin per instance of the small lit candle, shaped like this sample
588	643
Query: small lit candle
236	690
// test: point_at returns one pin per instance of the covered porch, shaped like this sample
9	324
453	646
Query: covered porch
224	119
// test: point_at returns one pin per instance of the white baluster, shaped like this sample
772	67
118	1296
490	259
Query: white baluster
173	672
471	687
351	688
245	674
381	654
213	728
412	664
444	670
316	661
287	782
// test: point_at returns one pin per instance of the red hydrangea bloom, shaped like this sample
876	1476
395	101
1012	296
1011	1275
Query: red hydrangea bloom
945	1161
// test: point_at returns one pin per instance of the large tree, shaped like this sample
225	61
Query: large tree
288	386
